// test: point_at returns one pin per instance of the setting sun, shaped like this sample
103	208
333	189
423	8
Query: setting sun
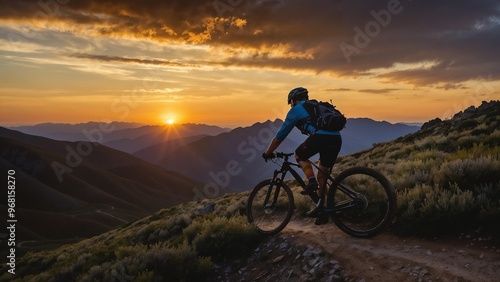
233	67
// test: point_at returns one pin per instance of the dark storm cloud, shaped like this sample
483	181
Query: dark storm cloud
458	38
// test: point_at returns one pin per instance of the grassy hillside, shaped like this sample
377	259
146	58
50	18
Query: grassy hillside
103	190
447	177
176	244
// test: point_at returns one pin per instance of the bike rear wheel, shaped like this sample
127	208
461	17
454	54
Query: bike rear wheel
364	202
270	207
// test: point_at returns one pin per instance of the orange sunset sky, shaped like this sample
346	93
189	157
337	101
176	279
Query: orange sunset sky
232	63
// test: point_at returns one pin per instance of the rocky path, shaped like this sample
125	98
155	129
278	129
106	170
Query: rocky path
390	258
306	252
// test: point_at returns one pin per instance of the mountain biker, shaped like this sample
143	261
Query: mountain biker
326	143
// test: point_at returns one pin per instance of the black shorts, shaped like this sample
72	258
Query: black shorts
328	147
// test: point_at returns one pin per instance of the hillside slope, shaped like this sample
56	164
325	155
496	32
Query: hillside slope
209	241
447	176
68	189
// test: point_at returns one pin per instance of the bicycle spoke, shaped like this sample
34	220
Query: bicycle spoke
364	202
269	207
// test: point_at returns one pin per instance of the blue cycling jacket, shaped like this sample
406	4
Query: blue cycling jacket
294	116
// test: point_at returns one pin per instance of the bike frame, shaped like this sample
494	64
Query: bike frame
276	180
287	166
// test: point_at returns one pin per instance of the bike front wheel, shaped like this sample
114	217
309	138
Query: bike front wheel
363	200
270	207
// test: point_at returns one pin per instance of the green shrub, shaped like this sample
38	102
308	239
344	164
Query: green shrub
177	264
468	173
431	210
488	203
468	124
235	205
162	230
492	140
126	251
467	142
157	263
221	237
145	276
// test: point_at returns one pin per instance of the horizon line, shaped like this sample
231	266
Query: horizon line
141	124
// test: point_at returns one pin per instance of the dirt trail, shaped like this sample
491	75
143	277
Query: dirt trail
390	258
110	215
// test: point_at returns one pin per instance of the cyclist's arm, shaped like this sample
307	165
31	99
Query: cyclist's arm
295	114
273	146
285	129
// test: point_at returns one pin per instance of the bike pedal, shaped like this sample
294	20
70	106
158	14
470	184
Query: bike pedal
308	192
314	213
322	219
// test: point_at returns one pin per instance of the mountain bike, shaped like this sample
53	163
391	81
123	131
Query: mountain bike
360	200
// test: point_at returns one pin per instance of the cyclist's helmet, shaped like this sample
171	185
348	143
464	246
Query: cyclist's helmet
298	92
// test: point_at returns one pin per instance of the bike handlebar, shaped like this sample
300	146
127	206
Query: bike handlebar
279	155
282	155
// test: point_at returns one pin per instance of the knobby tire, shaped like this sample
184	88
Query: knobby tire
270	220
375	206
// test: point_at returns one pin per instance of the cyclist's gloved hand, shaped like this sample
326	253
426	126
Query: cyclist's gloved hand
267	157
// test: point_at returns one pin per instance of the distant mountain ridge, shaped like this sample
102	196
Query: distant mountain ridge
71	132
230	161
359	134
77	189
204	152
127	137
207	159
362	133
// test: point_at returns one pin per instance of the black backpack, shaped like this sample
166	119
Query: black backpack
324	115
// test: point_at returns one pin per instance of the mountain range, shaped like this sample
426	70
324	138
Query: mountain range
446	175
78	189
127	137
204	152
81	180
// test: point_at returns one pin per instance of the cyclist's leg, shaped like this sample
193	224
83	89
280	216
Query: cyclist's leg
306	167
330	147
302	155
327	156
322	177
